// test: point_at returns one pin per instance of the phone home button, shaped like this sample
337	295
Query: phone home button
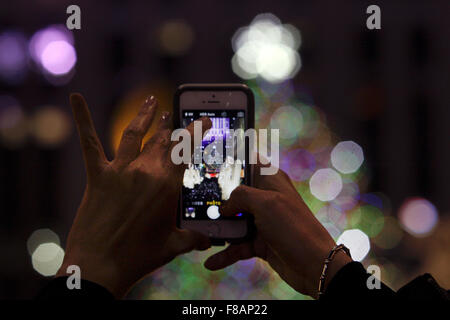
213	230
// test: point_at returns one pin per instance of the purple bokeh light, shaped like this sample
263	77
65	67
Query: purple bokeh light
58	57
13	56
299	164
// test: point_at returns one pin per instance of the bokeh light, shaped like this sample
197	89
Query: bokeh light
372	199
418	216
175	37
58	57
299	164
311	121
13	57
47	258
50	126
330	215
288	120
42	38
348	197
357	242
13	123
325	184
328	174
39	237
332	229
347	157
282	291
321	141
368	219
304	190
267	49
390	236
278	93
53	51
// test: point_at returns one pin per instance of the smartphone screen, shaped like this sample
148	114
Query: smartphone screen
207	182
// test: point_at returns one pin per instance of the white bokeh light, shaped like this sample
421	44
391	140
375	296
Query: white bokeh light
40	236
418	216
357	242
347	157
47	258
325	184
267	49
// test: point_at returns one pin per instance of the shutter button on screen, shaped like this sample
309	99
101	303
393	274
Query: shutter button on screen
213	212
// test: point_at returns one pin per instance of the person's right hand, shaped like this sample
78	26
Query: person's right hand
289	237
125	227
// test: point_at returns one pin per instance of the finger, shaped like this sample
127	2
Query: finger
230	255
245	199
160	141
182	241
130	144
93	154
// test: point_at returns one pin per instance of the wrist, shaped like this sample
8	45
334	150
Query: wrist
339	261
336	259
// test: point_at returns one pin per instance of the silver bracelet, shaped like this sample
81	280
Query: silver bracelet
330	257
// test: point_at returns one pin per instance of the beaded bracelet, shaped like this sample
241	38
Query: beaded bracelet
330	257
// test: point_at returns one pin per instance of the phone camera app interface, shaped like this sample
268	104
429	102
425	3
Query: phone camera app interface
217	167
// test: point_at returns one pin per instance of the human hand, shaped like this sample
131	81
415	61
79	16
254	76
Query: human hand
125	226
289	237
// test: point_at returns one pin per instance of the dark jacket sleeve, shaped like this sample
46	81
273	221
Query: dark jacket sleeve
351	283
57	289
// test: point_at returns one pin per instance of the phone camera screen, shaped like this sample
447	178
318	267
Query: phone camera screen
218	164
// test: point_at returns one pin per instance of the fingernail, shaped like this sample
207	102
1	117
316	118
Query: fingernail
165	115
150	100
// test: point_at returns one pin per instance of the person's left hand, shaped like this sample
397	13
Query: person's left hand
125	226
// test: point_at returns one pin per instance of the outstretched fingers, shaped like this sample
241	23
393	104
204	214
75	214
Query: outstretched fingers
130	144
93	154
159	143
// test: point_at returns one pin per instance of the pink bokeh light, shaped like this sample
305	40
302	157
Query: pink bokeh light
59	57
53	51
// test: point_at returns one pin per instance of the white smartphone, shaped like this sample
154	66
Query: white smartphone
207	184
